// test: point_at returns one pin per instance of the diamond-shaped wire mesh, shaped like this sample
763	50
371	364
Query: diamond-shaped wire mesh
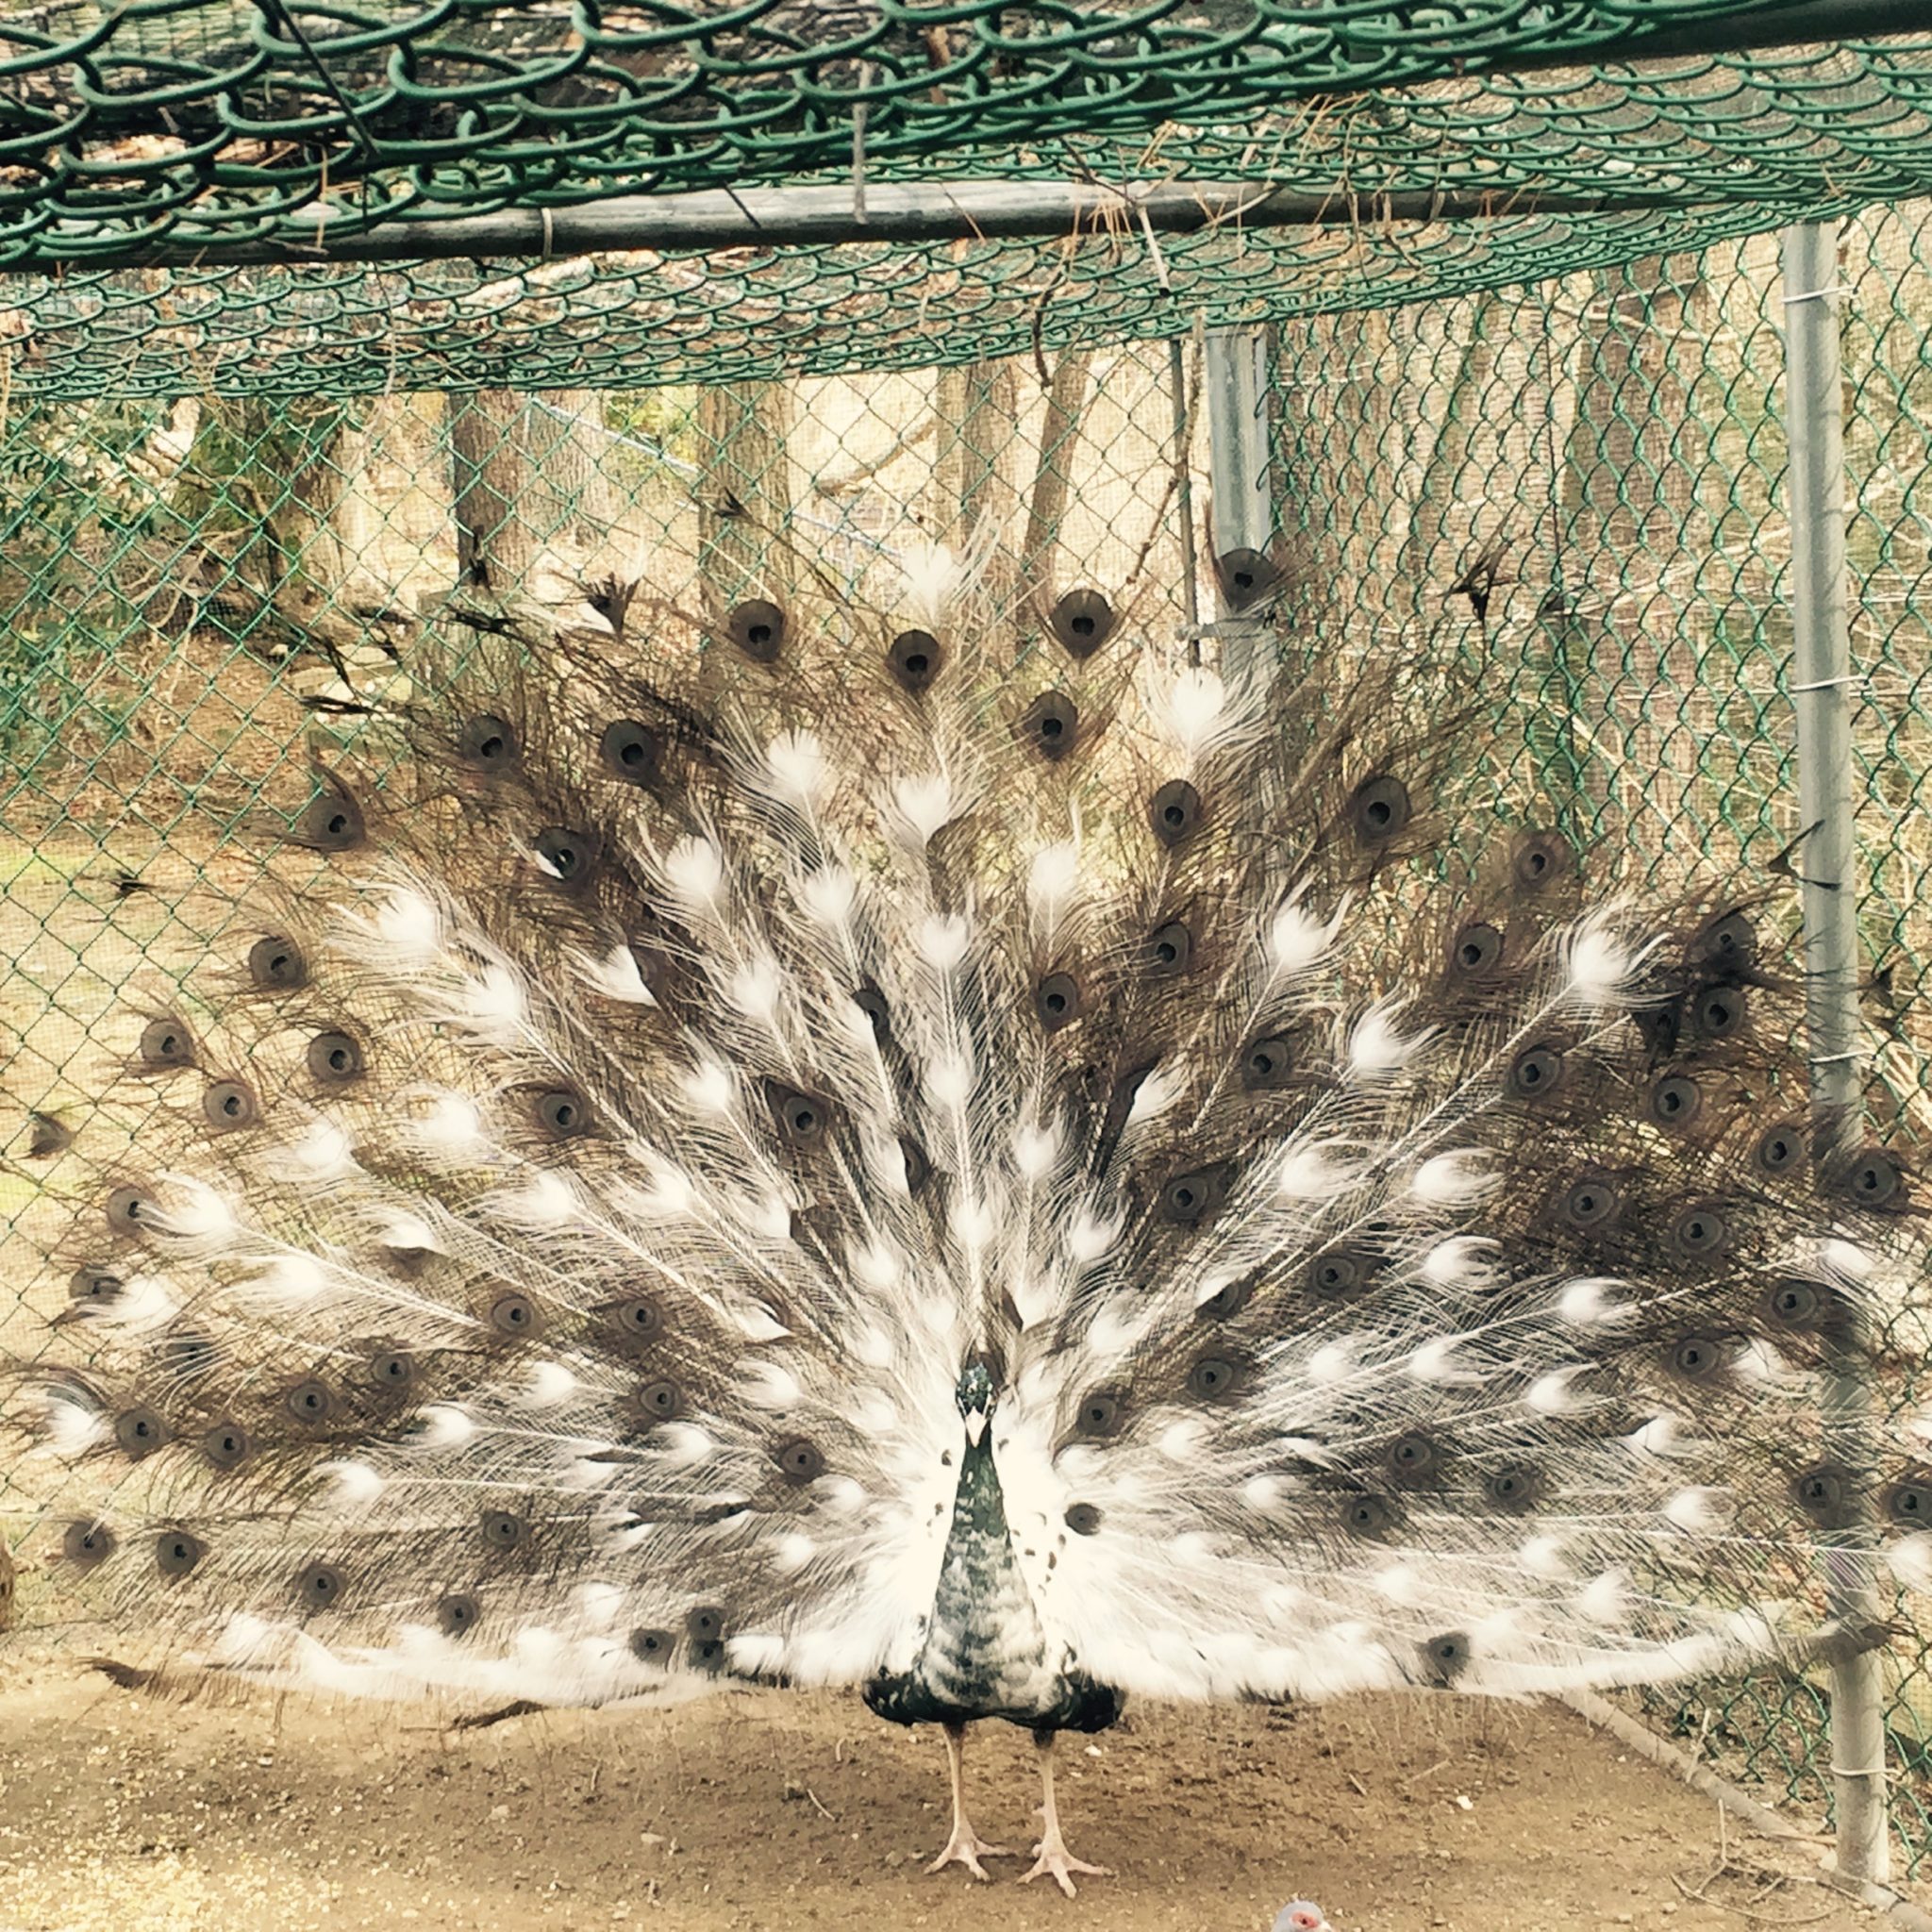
1569	494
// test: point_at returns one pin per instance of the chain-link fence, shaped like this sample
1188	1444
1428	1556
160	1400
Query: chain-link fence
1569	491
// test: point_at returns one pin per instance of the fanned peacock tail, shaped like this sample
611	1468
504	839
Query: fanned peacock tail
675	1046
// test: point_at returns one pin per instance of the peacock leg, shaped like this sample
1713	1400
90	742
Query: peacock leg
1053	1859
966	1846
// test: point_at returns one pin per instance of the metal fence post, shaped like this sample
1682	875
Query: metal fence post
1235	380
1821	694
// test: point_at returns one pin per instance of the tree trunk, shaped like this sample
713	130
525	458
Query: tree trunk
747	499
1059	441
973	500
526	479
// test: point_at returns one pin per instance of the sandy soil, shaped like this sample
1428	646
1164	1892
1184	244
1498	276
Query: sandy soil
768	1811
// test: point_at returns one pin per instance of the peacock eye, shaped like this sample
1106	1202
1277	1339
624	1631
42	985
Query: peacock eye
563	1114
166	1043
565	855
1476	949
1083	1519
487	742
320	1586
1175	812
1780	1147
503	1530
225	1445
915	659
1414	1456
391	1369
177	1553
629	751
1212	1377
513	1314
651	1647
228	1105
757	628
276	964
334	1059
799	1461
1873	1178
309	1402
1169	950
661	1402
1675	1101
456	1616
141	1432
1380	808
1082	621
637	1319
1058	998
1099	1415
88	1543
1536	1073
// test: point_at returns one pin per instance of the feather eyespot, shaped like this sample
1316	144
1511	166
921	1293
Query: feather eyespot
917	1165
1189	1198
1098	1416
132	1210
1445	1657
651	1647
1175	812
1827	1495
629	750
1341	1271
1720	1012
1795	1304
225	1445
391	1367
801	1118
1245	577
88	1543
757	628
276	965
514	1314
93	1285
1380	808
1083	1519
1169	951
1540	858
1727	940
1536	1073
563	1114
1514	1490
229	1105
915	659
1214	1377
166	1043
1872	1178
1051	725
1413	1458
1910	1501
1696	1358
1268	1064
1594	1202
1058	1000
141	1432
456	1616
1082	621
488	742
878	1010
1475	950
1780	1148
1368	1517
334	1059
332	821
177	1553
659	1402
309	1402
1226	1301
638	1318
502	1530
564	856
799	1461
1700	1233
1675	1101
320	1586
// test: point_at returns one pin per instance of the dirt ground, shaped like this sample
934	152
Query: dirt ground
770	1812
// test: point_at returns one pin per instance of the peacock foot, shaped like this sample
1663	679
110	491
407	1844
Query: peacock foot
1054	1861
966	1847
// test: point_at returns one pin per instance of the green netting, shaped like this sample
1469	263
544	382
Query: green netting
203	120
1539	429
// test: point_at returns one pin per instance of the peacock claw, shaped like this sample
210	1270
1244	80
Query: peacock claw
966	1847
1055	1862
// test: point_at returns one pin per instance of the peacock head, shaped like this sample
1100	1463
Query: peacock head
977	1394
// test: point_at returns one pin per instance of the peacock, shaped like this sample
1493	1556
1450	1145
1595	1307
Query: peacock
959	1147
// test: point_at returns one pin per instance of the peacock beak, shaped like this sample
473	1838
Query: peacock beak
976	1426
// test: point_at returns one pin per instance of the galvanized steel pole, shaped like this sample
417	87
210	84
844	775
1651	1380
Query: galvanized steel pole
1822	693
